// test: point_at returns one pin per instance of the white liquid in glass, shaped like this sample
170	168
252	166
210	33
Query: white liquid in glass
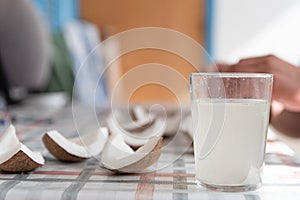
229	140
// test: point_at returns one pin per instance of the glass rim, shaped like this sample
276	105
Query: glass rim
231	75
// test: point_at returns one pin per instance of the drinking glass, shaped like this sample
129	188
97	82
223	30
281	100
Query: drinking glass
230	117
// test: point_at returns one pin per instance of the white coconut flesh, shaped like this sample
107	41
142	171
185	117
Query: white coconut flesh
142	119
85	146
117	154
10	146
134	138
139	112
131	126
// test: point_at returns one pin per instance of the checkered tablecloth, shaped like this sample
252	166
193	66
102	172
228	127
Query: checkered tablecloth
88	180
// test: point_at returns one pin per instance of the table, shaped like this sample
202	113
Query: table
88	180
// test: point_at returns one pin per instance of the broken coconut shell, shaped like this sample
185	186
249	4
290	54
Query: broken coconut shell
15	156
140	135
142	120
58	152
20	162
145	162
117	156
77	148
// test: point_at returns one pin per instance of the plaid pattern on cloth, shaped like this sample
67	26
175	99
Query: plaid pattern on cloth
88	180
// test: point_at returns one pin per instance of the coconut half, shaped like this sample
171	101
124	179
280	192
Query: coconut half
141	120
140	135
15	156
77	148
119	157
139	112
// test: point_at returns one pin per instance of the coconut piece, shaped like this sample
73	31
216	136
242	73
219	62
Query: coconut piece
15	156
173	116
119	157
138	137
139	112
141	120
77	148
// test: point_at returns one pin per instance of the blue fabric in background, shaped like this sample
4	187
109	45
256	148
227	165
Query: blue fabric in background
80	38
209	22
58	12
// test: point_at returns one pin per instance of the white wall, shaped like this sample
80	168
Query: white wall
256	27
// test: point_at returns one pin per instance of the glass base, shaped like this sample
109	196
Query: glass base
223	188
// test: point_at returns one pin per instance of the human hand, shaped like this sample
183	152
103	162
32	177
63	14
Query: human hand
286	88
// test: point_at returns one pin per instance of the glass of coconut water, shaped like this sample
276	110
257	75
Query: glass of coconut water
230	117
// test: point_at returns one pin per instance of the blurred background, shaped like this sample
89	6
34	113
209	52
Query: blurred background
67	32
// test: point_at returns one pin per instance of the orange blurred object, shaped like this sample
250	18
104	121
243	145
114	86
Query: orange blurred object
186	17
